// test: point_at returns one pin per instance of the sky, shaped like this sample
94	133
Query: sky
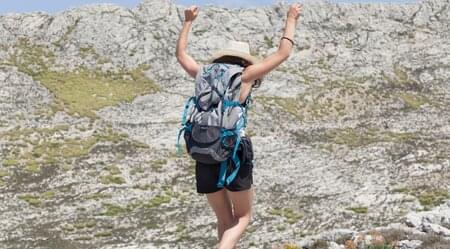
52	6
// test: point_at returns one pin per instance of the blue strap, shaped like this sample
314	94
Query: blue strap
186	109
228	103
235	158
183	122
222	174
178	140
237	162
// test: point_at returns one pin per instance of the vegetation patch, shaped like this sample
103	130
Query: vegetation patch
335	99
289	214
427	196
361	137
158	164
85	224
358	210
413	101
82	91
113	210
103	234
158	201
268	41
36	199
3	173
45	147
33	200
113	177
98	196
432	197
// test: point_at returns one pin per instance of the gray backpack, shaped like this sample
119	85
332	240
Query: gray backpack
213	118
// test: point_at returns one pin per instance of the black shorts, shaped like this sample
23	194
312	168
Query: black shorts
207	175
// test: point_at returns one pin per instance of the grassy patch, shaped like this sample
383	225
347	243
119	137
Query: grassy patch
103	234
81	91
269	42
158	201
48	194
413	101
427	196
84	91
111	179
48	147
290	246
335	99
291	106
158	164
358	210
85	224
432	197
113	210
361	137
32	167
289	214
3	173
33	200
8	162
98	196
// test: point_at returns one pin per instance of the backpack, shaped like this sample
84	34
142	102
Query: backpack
213	118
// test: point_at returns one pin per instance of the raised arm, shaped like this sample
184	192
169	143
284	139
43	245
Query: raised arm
258	70
186	61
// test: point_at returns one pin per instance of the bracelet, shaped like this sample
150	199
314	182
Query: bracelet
284	37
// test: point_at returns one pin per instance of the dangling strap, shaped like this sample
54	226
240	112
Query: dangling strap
186	109
235	158
183	122
237	162
222	173
183	129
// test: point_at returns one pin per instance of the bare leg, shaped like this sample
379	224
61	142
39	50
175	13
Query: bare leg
221	205
242	207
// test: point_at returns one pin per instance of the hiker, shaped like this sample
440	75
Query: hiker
232	201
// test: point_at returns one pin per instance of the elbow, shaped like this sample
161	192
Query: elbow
284	54
179	53
179	56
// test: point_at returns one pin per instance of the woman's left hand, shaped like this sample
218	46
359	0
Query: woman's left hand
191	13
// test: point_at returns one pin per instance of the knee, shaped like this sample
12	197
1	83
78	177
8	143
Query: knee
243	218
225	223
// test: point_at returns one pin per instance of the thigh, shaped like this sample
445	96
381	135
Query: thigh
242	202
244	177
206	177
221	205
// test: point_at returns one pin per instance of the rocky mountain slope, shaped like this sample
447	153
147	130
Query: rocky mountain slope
350	134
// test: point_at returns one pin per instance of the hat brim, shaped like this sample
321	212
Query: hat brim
250	58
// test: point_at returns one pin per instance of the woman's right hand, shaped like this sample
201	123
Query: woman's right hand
191	13
294	11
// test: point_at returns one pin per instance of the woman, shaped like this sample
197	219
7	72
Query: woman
232	205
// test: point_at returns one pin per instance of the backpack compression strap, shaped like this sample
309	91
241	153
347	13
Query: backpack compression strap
184	127
223	180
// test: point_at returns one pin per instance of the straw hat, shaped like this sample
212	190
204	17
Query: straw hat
238	49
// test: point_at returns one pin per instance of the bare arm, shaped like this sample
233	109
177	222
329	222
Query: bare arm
186	61
258	70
